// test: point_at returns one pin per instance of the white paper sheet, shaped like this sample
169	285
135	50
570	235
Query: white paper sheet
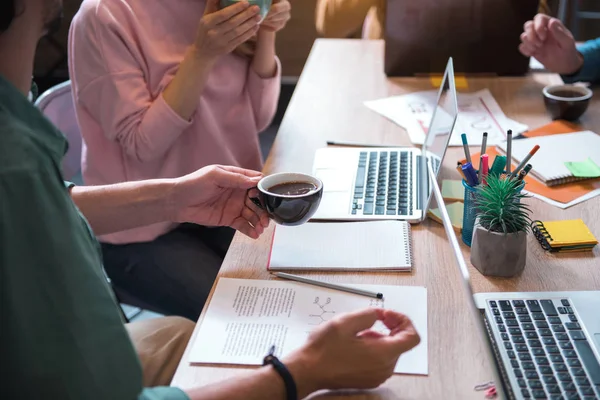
362	246
477	113
246	317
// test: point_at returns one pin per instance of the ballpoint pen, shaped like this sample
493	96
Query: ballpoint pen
328	285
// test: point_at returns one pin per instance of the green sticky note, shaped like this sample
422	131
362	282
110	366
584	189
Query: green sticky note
453	190
584	169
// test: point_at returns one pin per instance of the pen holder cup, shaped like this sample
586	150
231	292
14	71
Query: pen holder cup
470	212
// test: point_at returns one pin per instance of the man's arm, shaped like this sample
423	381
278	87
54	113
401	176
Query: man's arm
590	70
114	208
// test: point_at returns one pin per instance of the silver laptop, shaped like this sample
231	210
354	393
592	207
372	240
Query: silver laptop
386	182
546	344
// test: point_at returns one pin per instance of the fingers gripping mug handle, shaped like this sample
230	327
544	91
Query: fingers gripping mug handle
257	200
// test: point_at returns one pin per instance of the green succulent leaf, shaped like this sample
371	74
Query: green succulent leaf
499	206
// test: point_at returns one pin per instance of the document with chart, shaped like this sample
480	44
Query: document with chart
246	317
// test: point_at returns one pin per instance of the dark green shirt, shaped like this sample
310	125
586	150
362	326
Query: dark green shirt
61	334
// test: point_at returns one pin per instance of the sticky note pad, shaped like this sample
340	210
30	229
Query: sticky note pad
453	190
459	81
583	169
455	212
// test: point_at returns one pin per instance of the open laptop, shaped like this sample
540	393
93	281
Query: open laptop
546	344
386	182
483	36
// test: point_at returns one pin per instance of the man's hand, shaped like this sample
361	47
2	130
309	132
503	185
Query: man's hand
278	16
219	196
347	353
552	44
221	31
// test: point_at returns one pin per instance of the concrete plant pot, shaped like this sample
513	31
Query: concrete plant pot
498	254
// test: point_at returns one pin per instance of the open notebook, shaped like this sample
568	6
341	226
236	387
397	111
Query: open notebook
555	150
350	246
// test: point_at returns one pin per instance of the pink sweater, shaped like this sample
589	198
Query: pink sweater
122	54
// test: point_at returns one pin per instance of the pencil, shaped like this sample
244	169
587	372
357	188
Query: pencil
328	285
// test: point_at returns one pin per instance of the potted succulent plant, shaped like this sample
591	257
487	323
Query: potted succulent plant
499	246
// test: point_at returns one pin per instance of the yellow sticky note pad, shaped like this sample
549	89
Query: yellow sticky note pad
459	81
453	190
455	212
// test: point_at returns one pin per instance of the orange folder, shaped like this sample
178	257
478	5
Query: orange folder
561	193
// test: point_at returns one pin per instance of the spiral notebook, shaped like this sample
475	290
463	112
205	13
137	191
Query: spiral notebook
342	246
562	236
555	150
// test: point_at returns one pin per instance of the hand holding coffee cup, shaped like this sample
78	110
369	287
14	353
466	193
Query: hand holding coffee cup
220	31
289	198
263	5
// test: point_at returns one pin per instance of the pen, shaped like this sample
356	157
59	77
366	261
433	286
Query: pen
466	147
524	172
526	159
460	171
508	150
354	144
480	172
484	143
328	285
498	166
470	173
485	167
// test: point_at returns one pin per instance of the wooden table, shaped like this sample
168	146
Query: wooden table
328	105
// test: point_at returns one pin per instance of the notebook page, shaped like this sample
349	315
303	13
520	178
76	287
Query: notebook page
245	317
342	245
555	150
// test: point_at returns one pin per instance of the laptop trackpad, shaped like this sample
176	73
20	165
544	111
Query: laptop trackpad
333	204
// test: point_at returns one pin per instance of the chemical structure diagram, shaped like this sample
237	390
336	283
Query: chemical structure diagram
322	313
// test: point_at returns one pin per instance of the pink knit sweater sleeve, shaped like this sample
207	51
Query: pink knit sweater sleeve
109	85
264	95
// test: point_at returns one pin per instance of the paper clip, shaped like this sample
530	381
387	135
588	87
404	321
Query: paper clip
484	386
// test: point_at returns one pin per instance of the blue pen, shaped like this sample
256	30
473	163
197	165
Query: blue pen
471	175
466	147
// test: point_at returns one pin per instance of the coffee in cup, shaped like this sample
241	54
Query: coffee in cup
289	198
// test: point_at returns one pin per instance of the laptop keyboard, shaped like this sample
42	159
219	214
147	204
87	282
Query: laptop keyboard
550	356
383	184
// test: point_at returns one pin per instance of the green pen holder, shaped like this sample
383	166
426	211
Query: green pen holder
470	211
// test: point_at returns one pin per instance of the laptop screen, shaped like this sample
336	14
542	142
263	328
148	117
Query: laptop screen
441	127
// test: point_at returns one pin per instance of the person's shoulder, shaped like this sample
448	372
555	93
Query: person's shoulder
98	14
20	152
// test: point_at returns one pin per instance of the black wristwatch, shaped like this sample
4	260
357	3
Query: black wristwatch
290	386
